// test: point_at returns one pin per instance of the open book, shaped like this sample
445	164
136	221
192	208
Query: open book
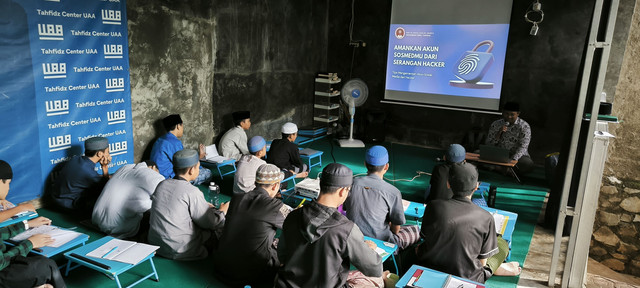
459	283
123	251
213	156
501	222
59	235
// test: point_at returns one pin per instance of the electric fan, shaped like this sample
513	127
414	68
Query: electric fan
354	93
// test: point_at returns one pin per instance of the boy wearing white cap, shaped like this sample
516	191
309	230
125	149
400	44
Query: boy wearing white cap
245	177
182	223
77	185
286	155
376	206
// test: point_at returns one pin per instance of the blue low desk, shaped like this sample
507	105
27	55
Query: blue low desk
308	158
19	218
389	250
415	210
115	268
48	251
433	279
51	251
228	162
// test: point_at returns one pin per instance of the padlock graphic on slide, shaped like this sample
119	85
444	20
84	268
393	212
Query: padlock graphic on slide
473	64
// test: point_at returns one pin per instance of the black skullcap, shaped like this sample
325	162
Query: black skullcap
511	106
96	144
6	172
463	178
240	115
171	120
336	175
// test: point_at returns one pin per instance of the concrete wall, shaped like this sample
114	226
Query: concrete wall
616	238
206	59
540	73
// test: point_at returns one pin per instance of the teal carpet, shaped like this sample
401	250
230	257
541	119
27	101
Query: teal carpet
405	161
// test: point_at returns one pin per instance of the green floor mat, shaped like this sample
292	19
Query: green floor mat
525	199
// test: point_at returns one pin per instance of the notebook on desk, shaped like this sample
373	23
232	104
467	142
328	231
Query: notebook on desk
213	156
494	154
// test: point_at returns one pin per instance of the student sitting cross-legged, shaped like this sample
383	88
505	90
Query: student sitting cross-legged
460	237
125	199
285	154
376	206
77	185
168	144
318	244
233	143
17	270
181	222
247	251
245	178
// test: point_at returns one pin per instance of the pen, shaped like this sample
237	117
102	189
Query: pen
113	249
415	277
85	259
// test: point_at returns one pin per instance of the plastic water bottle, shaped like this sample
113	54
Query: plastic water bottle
214	192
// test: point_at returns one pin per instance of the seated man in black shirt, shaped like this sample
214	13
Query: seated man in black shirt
285	154
439	187
459	237
246	252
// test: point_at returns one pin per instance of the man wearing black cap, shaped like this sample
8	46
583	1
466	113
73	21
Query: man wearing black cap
439	182
77	185
181	221
168	144
513	133
17	269
318	244
234	143
460	237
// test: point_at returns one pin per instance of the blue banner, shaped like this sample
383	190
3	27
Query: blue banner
64	77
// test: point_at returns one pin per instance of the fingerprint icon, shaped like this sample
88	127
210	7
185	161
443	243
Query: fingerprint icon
468	64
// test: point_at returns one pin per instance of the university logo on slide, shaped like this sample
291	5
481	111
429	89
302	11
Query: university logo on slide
116	117
118	148
113	51
54	70
115	84
58	143
57	107
400	32
112	17
50	32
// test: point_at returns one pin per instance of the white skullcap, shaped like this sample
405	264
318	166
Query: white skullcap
289	128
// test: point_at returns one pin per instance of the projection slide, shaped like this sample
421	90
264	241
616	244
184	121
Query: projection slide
447	56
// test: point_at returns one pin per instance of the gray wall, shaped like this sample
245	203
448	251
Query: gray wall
540	73
206	59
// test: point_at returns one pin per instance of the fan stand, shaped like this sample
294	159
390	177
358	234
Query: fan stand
351	143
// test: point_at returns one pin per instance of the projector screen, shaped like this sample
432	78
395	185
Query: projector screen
448	54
